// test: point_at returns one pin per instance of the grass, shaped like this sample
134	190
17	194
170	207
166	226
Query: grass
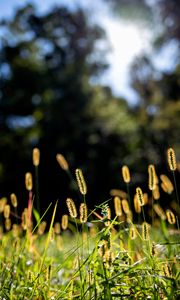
100	254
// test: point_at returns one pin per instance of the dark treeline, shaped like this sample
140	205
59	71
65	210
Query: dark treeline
47	101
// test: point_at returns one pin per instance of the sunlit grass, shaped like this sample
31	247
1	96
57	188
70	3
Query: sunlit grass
91	254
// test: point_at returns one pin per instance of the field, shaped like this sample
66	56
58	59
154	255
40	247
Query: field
125	248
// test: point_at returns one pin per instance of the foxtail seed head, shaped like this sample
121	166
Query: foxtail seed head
7	210
36	157
28	181
132	232
170	216
83	212
13	200
42	227
152	177
156	193
64	222
119	193
171	159
62	162
126	174
57	228
125	206
137	206
8	224
117	206
71	208
145	231
3	202
140	196
158	209
164	187
81	182
108	216
167	182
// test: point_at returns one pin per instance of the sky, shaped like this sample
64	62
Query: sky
126	40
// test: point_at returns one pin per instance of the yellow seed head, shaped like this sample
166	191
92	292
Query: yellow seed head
16	230
8	224
145	196
64	222
24	218
125	206
13	200
132	232
129	217
145	231
59	242
81	182
117	206
57	228
108	217
158	209
167	270
167	182
126	174
28	181
42	227
120	193
7	210
137	206
140	196
83	213
171	159
36	157
3	202
152	177
156	193
62	162
71	208
164	187
170	216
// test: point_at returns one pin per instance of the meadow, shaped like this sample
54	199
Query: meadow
125	248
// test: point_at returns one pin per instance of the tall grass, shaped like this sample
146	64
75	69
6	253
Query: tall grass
110	252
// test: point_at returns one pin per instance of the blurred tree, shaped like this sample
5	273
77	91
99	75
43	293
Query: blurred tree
158	109
47	101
